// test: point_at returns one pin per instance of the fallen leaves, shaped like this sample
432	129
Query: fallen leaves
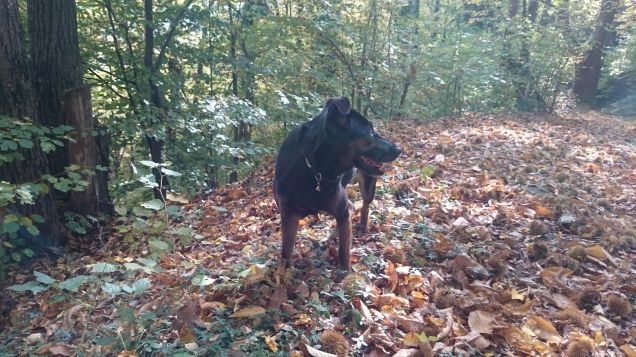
510	237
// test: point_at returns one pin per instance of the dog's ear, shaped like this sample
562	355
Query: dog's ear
338	107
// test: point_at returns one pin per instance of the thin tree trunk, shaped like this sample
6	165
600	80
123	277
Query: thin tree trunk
588	71
154	144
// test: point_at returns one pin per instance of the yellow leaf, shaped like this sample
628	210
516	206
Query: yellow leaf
411	340
543	329
515	295
418	295
600	253
271	343
249	311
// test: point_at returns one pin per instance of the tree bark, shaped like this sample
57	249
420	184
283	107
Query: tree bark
16	101
156	98
57	68
588	71
83	152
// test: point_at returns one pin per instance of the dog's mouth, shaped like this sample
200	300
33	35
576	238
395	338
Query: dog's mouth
370	165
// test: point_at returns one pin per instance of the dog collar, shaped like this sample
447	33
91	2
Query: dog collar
317	174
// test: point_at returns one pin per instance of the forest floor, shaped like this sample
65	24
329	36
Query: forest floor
491	235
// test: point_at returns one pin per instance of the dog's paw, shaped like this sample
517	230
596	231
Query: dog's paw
340	274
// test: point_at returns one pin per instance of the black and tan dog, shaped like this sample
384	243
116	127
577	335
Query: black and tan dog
316	162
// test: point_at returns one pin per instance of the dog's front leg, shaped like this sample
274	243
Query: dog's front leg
289	227
367	190
344	240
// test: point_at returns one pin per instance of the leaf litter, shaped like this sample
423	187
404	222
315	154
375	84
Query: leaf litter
491	235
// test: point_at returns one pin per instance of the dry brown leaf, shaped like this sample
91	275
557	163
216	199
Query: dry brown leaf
363	309
392	300
249	311
600	253
127	354
481	321
58	348
628	350
518	310
520	340
392	276
543	329
475	339
407	352
411	340
278	297
317	353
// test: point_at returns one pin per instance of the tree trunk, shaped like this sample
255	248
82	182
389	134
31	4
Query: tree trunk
533	10
83	152
56	63
156	99
413	12
16	101
588	71
57	66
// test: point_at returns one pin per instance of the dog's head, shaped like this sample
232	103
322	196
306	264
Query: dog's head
366	148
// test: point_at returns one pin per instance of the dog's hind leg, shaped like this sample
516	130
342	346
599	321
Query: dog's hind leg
367	191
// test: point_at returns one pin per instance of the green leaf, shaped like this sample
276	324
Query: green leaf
154	205
31	286
202	280
138	211
138	286
169	172
33	230
37	218
47	147
74	283
10	227
147	262
103	268
74	176
10	218
25	143
158	245
149	163
43	278
110	288
121	210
